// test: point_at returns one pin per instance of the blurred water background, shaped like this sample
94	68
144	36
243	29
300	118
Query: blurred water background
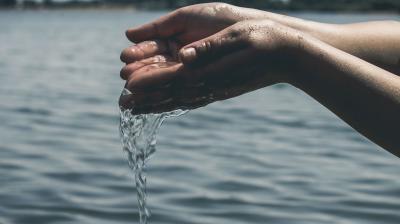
272	156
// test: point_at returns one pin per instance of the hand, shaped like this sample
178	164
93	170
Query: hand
182	27
243	57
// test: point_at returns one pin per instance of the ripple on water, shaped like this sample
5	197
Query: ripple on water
33	111
271	156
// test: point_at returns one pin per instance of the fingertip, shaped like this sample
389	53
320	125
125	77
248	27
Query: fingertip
123	73
123	56
131	35
131	54
141	33
127	33
128	70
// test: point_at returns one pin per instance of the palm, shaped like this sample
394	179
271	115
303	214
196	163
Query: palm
168	84
172	32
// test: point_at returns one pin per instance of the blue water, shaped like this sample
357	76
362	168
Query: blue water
272	156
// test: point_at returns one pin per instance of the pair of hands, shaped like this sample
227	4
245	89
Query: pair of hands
204	53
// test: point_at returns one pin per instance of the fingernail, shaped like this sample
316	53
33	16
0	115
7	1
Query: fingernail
189	54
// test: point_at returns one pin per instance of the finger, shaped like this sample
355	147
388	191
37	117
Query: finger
210	48
193	102
187	85
139	99
151	68
212	90
220	71
170	106
143	50
166	99
153	77
163	27
160	60
188	98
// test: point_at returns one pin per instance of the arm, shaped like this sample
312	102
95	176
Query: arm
376	42
362	94
365	96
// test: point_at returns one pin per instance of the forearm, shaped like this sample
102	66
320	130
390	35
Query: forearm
375	42
365	96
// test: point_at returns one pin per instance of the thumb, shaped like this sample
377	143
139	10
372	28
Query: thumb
211	48
161	28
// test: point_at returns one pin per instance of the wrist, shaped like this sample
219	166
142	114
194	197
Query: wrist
303	51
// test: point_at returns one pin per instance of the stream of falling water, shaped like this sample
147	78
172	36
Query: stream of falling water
138	135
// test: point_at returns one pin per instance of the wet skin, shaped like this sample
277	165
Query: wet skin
209	52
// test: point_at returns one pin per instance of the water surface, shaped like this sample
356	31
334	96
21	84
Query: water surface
272	156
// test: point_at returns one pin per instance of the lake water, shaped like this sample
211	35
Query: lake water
272	156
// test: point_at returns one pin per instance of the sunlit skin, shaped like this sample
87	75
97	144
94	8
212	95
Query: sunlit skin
209	52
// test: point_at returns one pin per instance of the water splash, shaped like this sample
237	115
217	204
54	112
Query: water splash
138	135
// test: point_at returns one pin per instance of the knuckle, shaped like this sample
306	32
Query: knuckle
204	46
139	50
235	33
240	31
208	45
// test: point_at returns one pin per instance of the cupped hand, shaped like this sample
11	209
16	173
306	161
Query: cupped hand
181	27
240	58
